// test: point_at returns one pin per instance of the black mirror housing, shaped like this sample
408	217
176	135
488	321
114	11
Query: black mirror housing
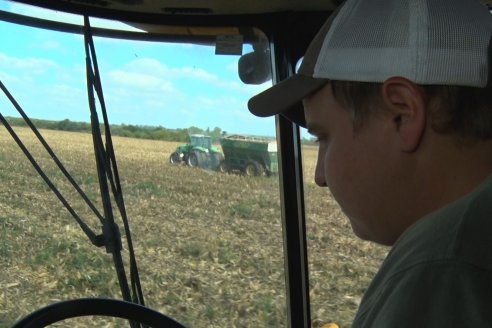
255	67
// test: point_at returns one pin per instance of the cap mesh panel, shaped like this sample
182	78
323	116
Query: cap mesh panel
427	41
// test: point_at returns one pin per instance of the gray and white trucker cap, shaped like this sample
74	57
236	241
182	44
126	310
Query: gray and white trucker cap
439	42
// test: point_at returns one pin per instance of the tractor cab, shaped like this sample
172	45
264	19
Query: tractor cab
119	123
201	141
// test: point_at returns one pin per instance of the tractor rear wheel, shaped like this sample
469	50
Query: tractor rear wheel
174	158
195	159
215	160
223	167
192	160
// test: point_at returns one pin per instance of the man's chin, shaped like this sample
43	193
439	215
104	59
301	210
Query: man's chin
366	235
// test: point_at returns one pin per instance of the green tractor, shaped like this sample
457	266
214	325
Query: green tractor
199	152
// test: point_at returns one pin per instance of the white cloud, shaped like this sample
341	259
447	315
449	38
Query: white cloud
51	45
138	80
32	65
253	89
65	95
8	78
153	67
133	84
167	87
146	65
196	73
232	67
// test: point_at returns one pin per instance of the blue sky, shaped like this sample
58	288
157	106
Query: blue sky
145	83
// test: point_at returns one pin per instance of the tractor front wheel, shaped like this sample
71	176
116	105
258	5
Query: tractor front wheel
174	158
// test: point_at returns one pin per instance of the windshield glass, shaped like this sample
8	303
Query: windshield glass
204	214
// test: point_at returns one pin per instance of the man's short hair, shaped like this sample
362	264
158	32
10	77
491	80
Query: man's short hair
465	112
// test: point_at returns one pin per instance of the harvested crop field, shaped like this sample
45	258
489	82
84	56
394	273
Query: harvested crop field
208	244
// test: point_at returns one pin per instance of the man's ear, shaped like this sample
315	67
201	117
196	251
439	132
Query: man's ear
405	102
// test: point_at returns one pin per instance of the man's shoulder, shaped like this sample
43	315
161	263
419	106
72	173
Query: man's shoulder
438	253
446	293
459	230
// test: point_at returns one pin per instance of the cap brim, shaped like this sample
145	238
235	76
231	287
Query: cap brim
286	98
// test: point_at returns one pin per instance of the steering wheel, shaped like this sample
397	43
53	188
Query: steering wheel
96	306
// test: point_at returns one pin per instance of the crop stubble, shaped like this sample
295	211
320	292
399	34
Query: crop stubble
208	245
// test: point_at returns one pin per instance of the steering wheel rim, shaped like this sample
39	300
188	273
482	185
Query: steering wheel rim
96	306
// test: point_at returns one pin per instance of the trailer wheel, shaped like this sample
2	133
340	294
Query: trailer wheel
253	168
174	158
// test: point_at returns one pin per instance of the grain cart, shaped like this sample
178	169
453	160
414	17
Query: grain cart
252	156
199	152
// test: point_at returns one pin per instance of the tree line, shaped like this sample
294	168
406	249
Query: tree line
130	131
123	130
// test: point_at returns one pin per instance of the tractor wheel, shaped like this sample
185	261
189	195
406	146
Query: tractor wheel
174	158
195	159
223	167
215	160
192	160
253	168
